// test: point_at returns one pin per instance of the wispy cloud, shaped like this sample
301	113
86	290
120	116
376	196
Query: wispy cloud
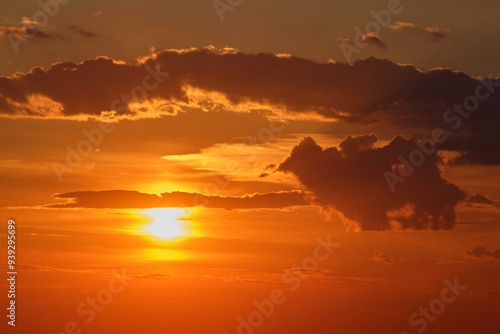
382	257
483	252
81	31
370	38
97	15
436	34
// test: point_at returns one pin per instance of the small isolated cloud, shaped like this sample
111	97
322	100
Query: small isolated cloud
344	40
27	21
82	32
370	38
382	257
97	15
483	252
435	33
267	169
350	179
374	39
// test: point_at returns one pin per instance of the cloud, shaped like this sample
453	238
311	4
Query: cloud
370	91
27	21
435	33
25	33
482	200
124	199
350	179
477	141
382	257
29	30
97	14
155	276
82	32
391	93
478	157
372	38
266	170
483	252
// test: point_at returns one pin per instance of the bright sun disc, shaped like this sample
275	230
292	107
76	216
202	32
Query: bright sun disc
167	223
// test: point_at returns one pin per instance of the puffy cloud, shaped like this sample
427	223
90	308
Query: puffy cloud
368	91
435	33
483	252
124	199
351	179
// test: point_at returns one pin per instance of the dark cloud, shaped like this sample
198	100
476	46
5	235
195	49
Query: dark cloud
87	88
435	33
82	32
479	157
123	199
483	252
477	144
351	179
266	170
369	91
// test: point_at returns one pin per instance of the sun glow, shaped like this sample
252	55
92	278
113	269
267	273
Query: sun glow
168	223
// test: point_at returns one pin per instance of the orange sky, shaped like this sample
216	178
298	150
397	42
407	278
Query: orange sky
188	168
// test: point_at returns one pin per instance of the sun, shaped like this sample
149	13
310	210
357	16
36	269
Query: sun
168	223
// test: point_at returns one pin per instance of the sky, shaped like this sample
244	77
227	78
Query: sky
245	167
